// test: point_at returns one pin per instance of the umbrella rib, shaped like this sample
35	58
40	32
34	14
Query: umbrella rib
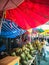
5	4
17	2
13	3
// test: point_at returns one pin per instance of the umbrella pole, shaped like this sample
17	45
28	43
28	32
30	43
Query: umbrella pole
1	19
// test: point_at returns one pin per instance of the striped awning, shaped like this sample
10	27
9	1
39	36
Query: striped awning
10	29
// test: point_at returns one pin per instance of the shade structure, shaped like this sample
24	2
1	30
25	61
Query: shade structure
45	33
40	30
10	30
44	27
9	4
30	14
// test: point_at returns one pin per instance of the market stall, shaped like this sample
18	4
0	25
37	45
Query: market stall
26	14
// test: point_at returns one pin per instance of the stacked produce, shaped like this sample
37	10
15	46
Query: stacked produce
25	53
37	45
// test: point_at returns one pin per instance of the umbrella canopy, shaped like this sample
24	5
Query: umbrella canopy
45	33
30	14
9	4
10	30
40	30
44	27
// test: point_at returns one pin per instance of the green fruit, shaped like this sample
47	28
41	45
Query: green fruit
24	62
26	58
13	54
33	52
27	49
23	56
23	48
26	52
29	56
20	64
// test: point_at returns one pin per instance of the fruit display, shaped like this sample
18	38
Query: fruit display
25	53
37	45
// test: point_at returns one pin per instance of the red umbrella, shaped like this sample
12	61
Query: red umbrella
30	13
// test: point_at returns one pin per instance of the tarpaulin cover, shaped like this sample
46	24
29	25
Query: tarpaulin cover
30	13
10	30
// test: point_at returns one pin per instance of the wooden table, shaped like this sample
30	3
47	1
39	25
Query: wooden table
9	60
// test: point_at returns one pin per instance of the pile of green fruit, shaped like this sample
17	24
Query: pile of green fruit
37	45
25	53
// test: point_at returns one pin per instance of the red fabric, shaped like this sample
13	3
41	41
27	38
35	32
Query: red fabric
29	14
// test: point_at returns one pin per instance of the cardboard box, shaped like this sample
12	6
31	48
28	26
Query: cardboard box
10	60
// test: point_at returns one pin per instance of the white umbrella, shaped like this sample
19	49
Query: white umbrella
44	27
